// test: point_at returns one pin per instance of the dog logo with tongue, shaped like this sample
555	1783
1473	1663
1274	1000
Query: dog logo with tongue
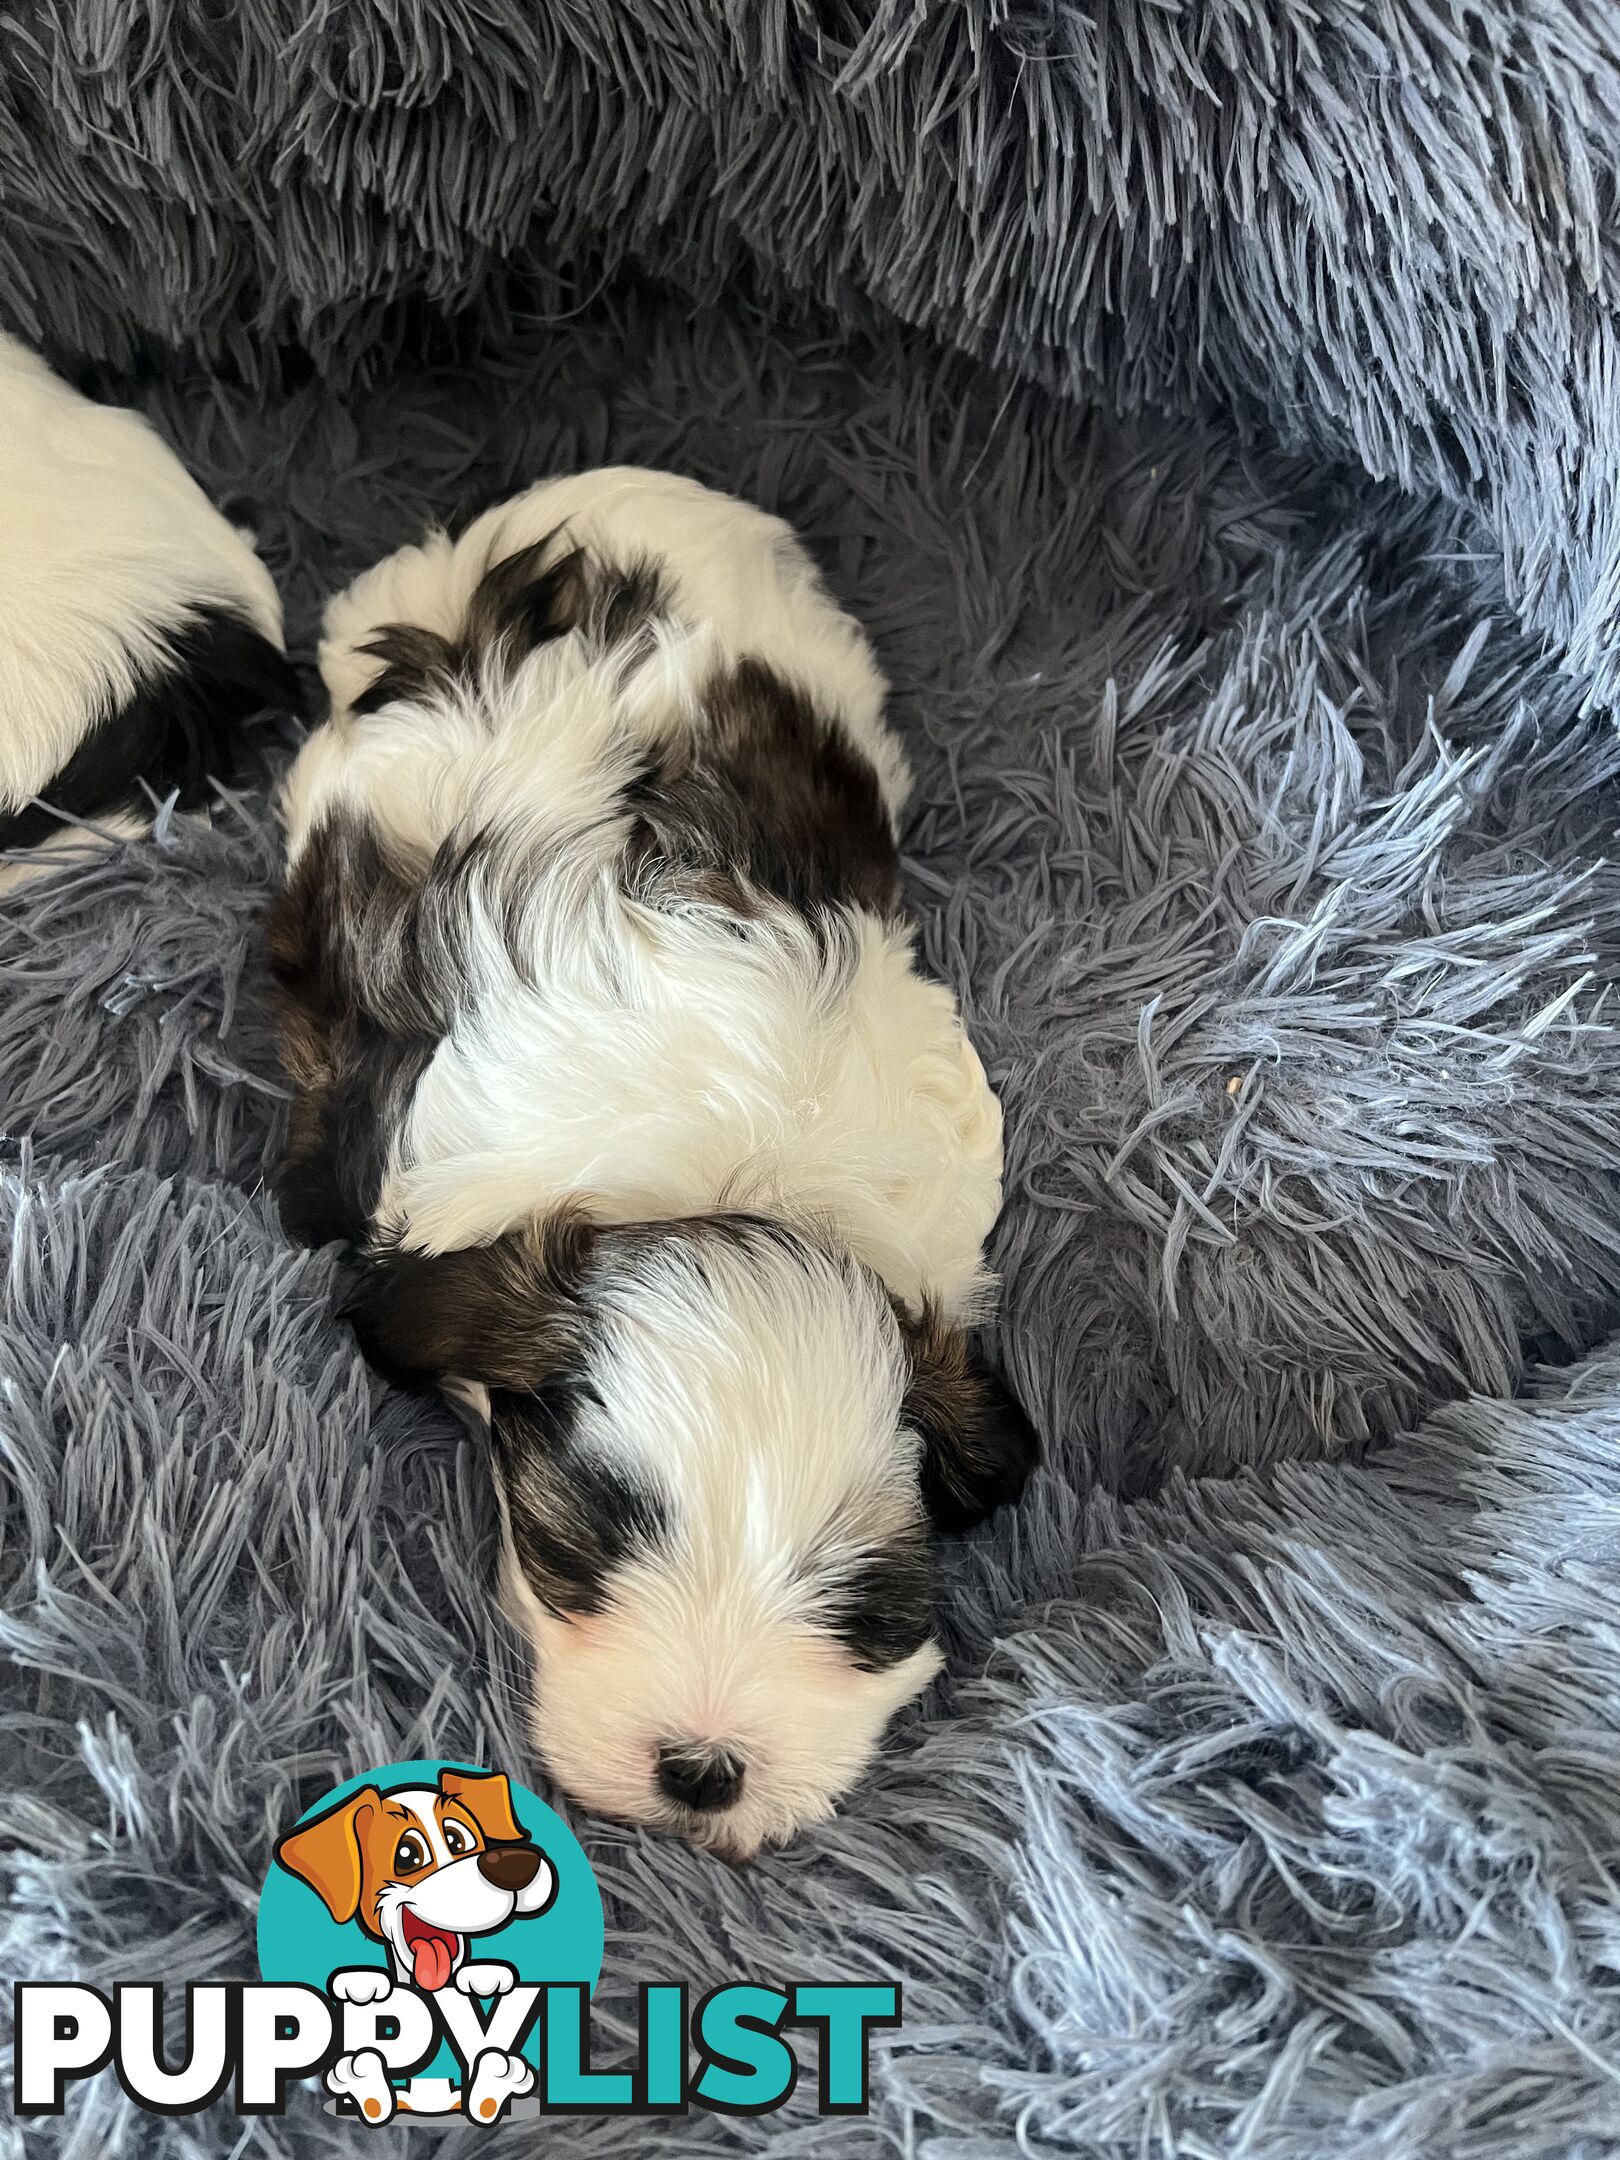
430	1899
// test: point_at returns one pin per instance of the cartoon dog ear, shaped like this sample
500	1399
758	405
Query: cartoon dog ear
978	1446
487	1797
507	1314
325	1853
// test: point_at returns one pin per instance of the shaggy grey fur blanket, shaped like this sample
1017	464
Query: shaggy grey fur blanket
1214	414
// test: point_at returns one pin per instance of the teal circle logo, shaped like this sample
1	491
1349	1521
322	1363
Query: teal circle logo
442	1879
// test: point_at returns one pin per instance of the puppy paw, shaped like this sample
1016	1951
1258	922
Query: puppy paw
362	1984
486	1980
363	2078
497	2079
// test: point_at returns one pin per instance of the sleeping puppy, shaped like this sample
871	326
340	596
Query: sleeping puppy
611	1056
138	630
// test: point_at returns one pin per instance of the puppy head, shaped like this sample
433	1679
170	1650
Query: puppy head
719	1451
423	1868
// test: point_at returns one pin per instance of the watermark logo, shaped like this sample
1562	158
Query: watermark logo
431	1900
430	1935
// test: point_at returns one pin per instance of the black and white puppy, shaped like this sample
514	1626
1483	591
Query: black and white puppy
612	1056
138	628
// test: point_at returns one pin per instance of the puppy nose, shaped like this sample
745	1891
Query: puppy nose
705	1778
509	1867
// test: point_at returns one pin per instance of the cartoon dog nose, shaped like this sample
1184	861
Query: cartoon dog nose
509	1867
705	1778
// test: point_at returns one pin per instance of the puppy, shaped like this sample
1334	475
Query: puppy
611	1057
138	628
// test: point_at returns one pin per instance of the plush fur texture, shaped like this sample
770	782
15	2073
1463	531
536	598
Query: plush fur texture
1381	233
1269	1811
611	1056
139	630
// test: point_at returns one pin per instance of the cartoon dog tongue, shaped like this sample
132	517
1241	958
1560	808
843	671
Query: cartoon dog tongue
432	1953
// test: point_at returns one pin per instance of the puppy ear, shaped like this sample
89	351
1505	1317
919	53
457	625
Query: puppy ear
487	1797
325	1853
978	1446
507	1314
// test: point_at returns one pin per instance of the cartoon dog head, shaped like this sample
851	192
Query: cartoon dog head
423	1868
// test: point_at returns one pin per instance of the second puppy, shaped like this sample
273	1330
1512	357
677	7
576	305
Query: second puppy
139	630
612	1058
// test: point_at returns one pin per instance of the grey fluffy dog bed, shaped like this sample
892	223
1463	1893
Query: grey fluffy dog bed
1213	412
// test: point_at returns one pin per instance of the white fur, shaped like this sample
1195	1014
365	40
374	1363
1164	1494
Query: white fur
106	544
763	1406
690	1066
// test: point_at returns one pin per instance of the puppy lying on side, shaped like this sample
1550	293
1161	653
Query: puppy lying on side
612	1058
139	628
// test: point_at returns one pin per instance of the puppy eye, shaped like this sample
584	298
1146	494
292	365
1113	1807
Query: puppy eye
457	1836
410	1853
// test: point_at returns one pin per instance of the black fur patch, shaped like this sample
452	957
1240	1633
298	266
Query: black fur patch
327	1183
574	1517
770	799
519	604
882	1610
182	727
978	1446
363	960
508	1314
513	1315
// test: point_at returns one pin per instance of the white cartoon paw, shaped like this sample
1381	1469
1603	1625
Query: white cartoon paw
363	2078
486	1980
496	2079
362	1984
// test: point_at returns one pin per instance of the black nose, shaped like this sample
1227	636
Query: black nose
699	1777
509	1867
